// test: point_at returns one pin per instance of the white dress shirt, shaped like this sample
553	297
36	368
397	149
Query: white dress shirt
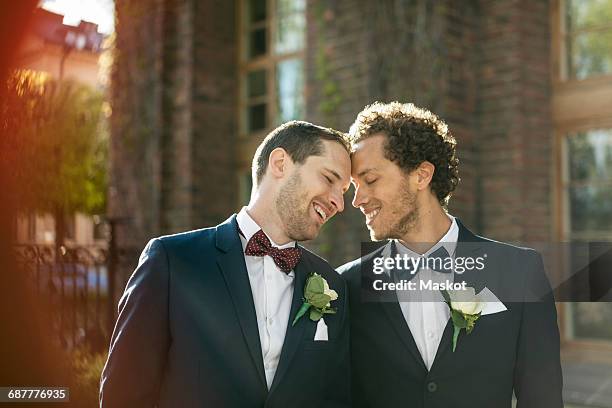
272	291
427	319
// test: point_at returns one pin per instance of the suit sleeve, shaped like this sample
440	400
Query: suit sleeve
358	399
538	379
139	344
338	393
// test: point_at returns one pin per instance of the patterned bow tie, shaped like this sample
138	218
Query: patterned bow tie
286	259
436	261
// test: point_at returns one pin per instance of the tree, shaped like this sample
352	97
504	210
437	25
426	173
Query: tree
57	141
589	25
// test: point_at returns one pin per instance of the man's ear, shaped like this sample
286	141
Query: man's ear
424	174
279	162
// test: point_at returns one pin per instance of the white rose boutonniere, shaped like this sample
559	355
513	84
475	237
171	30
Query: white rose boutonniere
465	307
317	298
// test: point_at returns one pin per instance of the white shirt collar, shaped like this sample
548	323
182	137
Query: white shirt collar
448	241
249	227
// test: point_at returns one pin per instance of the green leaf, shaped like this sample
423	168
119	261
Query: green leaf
315	315
329	311
456	332
301	312
314	286
458	319
319	300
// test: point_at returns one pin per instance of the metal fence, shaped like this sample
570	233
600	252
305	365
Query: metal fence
80	286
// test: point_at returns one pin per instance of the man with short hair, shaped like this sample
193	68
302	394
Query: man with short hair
406	349
210	317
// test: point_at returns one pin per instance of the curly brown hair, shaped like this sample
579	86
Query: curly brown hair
414	135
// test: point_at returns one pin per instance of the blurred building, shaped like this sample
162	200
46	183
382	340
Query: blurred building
525	86
62	51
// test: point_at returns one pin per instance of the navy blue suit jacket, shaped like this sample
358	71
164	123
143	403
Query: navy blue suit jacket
515	350
187	335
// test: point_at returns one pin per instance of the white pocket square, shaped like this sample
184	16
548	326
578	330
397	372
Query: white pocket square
492	304
321	333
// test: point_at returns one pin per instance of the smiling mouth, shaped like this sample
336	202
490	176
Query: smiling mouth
320	212
371	215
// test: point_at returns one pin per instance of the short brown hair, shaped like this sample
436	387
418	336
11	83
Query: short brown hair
299	139
414	135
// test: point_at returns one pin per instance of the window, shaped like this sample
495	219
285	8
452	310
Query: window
592	321
587	36
271	65
582	94
587	185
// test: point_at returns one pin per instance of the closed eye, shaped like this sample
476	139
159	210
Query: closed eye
370	182
329	180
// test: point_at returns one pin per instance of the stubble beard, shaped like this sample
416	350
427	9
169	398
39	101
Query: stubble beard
292	208
409	217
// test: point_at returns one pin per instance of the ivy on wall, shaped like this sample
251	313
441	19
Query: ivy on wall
397	52
408	51
331	96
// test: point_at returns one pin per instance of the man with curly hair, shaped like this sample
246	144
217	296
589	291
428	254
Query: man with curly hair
413	345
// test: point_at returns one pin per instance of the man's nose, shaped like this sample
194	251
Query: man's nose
359	199
337	200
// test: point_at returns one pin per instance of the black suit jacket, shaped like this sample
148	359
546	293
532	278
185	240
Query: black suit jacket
515	350
187	335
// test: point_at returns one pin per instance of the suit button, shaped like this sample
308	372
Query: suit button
432	386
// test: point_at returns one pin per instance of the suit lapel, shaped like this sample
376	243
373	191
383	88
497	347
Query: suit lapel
294	334
467	246
445	345
394	313
232	265
398	322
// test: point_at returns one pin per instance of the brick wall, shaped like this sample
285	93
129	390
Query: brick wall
460	99
215	90
135	182
337	87
173	130
177	116
420	52
482	65
514	121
